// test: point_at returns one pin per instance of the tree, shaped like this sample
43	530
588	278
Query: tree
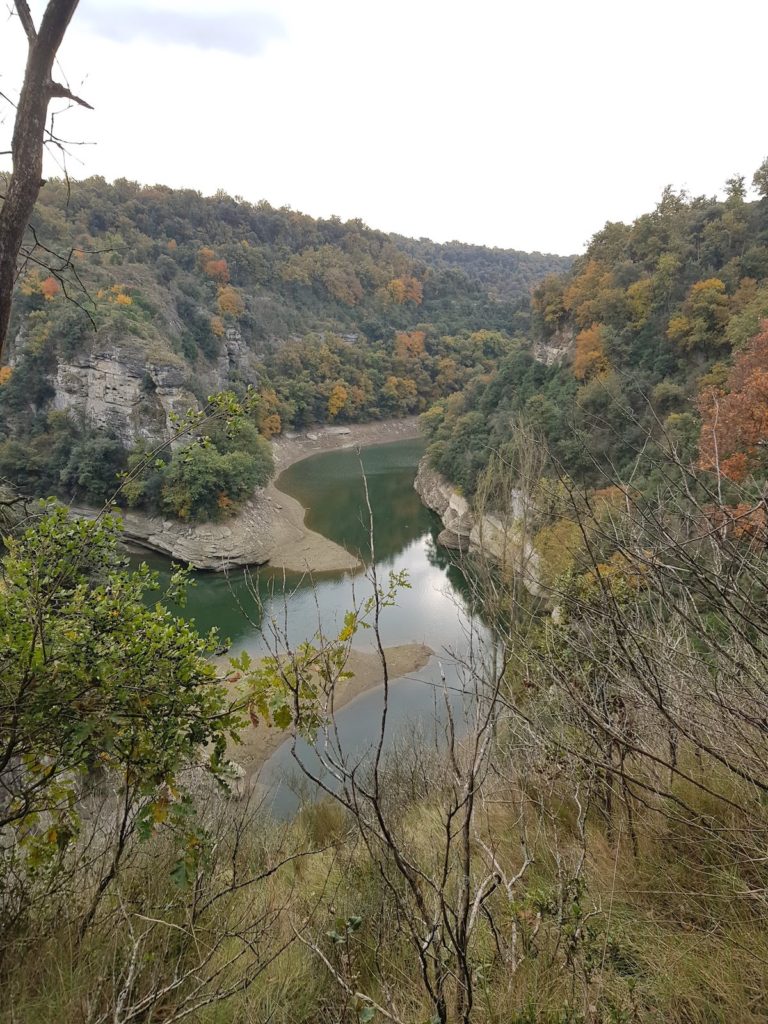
704	315
94	680
212	478
734	425
760	179
337	400
230	301
29	137
589	357
735	190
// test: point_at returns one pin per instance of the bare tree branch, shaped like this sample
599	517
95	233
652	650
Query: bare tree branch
61	91
25	17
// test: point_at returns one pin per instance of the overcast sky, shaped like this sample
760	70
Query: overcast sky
522	125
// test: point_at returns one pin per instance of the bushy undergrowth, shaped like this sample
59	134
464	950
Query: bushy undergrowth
673	931
585	846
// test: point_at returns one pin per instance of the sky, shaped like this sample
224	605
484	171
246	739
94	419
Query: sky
523	125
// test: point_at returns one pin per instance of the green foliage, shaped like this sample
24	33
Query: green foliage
95	680
331	322
93	467
294	274
64	457
223	460
650	308
298	689
209	478
201	482
760	179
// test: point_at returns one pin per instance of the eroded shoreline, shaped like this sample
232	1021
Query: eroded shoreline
258	743
270	528
302	549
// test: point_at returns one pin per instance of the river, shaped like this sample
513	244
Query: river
433	610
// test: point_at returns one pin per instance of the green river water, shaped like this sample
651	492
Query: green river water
433	610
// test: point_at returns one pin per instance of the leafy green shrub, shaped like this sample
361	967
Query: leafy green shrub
212	477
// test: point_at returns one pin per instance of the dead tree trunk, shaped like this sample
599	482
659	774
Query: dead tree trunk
29	136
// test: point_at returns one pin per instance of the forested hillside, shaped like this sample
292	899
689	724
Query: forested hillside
177	295
654	333
579	839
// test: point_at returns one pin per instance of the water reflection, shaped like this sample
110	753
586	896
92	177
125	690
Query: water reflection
434	610
330	487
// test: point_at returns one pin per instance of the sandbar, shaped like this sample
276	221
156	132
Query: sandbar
259	742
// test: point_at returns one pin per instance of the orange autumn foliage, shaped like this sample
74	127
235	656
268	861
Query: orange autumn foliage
230	301
735	416
217	270
606	498
115	294
409	344
5	374
586	294
740	522
267	416
589	357
270	425
50	287
337	400
405	289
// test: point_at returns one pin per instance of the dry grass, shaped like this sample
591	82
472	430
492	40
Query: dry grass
673	933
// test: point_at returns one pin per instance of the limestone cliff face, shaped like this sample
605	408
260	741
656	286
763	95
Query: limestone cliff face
116	384
119	391
246	539
556	349
503	538
439	494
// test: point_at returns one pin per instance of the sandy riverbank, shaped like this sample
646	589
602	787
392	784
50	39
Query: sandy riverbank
292	447
261	741
296	547
270	528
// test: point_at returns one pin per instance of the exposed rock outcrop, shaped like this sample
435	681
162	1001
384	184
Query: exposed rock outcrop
442	497
556	349
269	529
134	387
246	539
500	537
123	393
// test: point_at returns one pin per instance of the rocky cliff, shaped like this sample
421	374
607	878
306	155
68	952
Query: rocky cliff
116	390
132	391
554	350
500	536
246	539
